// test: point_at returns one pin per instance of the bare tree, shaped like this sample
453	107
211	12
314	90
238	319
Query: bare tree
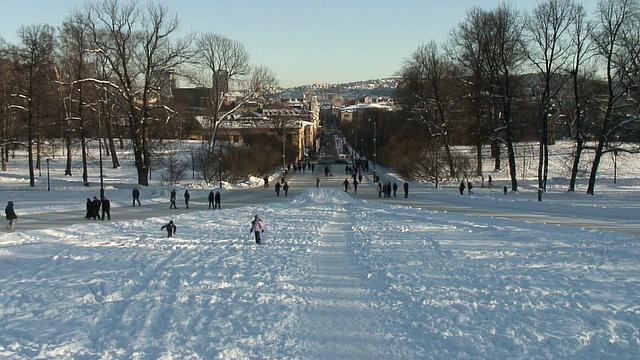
225	68
504	53
618	20
548	28
580	35
35	59
224	61
137	44
428	88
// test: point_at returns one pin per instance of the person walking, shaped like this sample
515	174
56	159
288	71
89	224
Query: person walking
135	193
355	186
406	189
318	181
89	207
266	181
187	197
490	182
278	186
395	189
461	188
95	208
257	228
106	208
469	187
285	187
10	215
211	199
170	227
216	204
346	185
172	199
379	189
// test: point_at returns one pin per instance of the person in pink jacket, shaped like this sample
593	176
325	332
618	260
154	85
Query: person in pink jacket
257	227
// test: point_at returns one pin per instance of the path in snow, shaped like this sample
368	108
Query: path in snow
339	315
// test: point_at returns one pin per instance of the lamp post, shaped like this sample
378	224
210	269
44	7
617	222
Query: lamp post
374	150
100	152
48	176
220	166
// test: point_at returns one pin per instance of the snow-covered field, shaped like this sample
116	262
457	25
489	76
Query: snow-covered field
340	276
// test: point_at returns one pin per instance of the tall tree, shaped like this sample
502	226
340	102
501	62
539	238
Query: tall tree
548	29
618	22
224	62
504	52
580	35
428	88
35	58
138	46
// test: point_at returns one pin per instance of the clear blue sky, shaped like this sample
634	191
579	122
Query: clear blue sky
302	41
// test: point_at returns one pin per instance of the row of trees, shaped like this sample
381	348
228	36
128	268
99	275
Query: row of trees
500	66
107	72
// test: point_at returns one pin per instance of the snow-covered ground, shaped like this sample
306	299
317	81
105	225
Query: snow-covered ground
340	276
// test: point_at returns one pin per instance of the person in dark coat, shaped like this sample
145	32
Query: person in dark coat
345	183
136	196
187	197
10	215
462	187
469	187
395	189
217	201
172	199
379	189
89	207
95	208
106	208
285	187
406	189
211	198
355	186
278	186
170	227
266	182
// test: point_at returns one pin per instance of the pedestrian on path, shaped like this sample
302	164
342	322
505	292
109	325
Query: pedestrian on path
172	200
106	208
461	188
346	185
278	186
406	189
318	181
187	197
135	193
395	189
285	187
211	199
216	204
11	216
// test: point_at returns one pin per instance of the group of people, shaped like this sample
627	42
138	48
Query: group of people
94	206
284	187
213	198
387	189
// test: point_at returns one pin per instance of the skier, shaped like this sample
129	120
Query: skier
170	227
10	215
257	227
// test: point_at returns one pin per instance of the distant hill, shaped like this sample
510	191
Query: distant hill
376	88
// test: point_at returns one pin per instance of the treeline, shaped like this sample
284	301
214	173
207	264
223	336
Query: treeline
106	73
504	76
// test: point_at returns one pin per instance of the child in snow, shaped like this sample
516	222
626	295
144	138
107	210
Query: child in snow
257	227
170	227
